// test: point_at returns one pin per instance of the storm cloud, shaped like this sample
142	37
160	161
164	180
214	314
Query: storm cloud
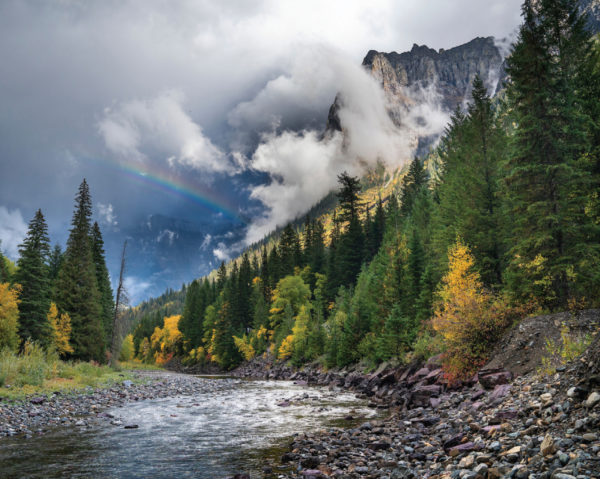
217	91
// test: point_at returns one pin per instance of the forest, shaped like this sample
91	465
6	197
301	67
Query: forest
499	221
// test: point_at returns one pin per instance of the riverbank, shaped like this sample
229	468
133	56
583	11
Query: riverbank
492	426
85	407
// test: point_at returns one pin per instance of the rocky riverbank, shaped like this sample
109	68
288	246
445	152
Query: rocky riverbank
492	426
86	408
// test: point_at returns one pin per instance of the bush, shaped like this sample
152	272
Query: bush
31	367
469	318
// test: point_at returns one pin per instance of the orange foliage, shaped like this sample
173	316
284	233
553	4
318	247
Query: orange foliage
165	341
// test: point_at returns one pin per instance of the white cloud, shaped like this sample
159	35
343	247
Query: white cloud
13	230
169	235
206	242
222	252
136	287
160	127
107	214
303	167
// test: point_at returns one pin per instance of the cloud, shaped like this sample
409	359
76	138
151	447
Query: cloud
169	235
303	167
206	242
136	287
13	230
107	214
222	252
159	127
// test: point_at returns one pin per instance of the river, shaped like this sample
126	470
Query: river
231	426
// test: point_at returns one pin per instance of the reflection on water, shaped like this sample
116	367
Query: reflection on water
226	430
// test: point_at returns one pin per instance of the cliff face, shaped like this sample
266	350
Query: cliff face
450	72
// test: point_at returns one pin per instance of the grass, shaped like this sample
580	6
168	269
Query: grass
38	372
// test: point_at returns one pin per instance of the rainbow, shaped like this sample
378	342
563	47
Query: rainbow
166	181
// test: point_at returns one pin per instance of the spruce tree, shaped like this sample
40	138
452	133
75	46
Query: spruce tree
33	276
77	285
550	258
107	302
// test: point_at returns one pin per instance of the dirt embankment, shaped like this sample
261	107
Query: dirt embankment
523	347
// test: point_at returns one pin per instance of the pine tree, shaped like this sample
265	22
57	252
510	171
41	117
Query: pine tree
550	257
107	302
33	276
415	179
191	321
468	188
4	274
55	261
350	251
77	285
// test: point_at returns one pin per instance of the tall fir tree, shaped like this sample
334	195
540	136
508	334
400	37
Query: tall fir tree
107	301
34	277
550	257
77	285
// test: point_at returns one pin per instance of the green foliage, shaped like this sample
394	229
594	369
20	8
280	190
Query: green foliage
127	349
570	348
551	257
77	286
31	367
33	276
107	303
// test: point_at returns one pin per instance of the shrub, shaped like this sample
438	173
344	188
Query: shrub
469	318
9	315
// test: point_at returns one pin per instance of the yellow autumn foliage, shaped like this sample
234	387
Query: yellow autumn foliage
9	316
468	317
61	330
164	341
244	347
287	347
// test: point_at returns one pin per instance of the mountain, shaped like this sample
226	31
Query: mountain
592	9
449	73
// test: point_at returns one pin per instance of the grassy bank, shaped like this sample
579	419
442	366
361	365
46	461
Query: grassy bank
36	371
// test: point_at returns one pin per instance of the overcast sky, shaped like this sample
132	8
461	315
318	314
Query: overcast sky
186	89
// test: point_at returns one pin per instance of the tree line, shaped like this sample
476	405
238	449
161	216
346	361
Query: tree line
59	300
507	224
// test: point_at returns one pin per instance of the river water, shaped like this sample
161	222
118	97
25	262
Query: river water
234	426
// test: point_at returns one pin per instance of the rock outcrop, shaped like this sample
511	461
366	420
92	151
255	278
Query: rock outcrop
449	73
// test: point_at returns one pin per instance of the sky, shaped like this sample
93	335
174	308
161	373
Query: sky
198	124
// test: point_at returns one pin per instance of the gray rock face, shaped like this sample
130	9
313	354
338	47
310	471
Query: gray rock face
451	71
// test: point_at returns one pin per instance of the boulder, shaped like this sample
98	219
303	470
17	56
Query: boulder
491	378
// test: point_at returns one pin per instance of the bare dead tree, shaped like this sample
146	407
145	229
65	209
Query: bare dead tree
121	302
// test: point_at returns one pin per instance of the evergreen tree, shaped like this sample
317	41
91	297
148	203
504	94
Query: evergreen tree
77	285
4	273
468	189
412	183
191	321
33	276
107	302
350	251
550	257
55	262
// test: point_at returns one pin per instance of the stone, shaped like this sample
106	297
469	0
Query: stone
547	446
589	437
491	379
592	400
